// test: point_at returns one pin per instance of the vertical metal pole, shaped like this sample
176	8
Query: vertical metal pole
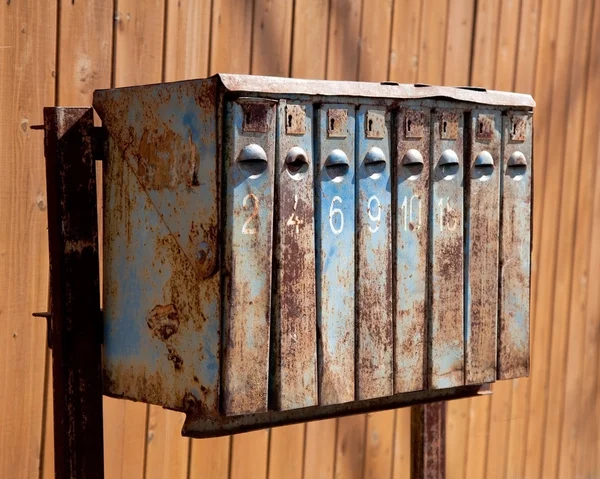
428	441
75	301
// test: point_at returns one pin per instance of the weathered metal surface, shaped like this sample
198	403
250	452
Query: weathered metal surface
428	441
446	359
375	337
412	219
335	228
162	309
294	319
515	249
201	426
278	86
249	149
75	299
482	220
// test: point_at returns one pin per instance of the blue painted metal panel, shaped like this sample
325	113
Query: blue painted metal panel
250	131
334	195
515	255
375	339
446	225
412	219
294	308
482	221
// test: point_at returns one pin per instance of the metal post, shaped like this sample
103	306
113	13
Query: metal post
428	441
76	332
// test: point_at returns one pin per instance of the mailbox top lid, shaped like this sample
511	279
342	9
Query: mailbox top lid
296	86
281	85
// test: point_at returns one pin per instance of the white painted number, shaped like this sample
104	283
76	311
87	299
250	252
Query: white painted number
336	211
411	208
294	220
374	208
246	229
447	215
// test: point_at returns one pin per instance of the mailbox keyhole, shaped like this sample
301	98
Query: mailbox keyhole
408	125
332	124
444	126
370	125
480	127
289	121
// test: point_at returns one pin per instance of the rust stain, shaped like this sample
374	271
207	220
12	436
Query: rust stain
163	321
337	122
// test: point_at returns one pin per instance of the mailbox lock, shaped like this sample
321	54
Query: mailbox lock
337	165
375	162
413	163
296	162
448	164
483	166
253	160
517	165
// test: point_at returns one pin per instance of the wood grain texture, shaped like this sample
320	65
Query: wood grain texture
483	68
210	458
249	455
402	450
231	36
167	452
286	451
432	44
27	83
187	38
379	445
459	36
375	36
272	38
343	41
319	453
350	447
309	42
404	41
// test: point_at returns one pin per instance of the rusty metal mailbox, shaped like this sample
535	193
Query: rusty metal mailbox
278	250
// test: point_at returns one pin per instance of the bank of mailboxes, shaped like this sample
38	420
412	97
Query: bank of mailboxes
278	250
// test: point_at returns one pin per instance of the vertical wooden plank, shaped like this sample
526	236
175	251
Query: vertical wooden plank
547	344
433	41
457	437
319	455
483	68
334	212
459	35
187	37
167	453
405	44
231	36
210	458
272	38
286	452
294	331
579	432
350	447
507	45
413	160
379	441
402	450
27	84
524	81
375	35
566	329
309	42
249	455
138	59
343	41
374	329
446	361
249	148
481	259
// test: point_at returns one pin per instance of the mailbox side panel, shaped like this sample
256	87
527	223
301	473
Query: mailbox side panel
249	149
334	195
161	287
446	327
482	218
412	220
515	249
375	342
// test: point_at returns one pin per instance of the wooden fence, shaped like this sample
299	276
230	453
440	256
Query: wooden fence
56	52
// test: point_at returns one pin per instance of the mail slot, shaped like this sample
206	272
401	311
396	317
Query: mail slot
279	250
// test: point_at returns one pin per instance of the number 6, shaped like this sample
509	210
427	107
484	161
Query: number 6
334	211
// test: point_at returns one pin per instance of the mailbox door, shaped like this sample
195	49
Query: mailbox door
446	327
481	245
515	256
412	220
375	339
294	358
250	135
334	194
